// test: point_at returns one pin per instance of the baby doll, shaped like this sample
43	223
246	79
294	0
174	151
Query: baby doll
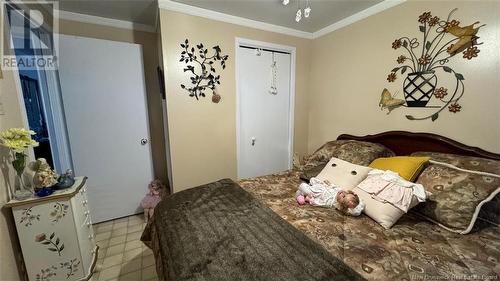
151	199
319	193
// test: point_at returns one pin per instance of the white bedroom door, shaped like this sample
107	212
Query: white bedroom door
104	96
264	118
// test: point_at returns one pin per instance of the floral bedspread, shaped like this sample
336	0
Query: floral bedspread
413	249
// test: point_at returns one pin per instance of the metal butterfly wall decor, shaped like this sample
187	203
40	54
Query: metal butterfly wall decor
423	63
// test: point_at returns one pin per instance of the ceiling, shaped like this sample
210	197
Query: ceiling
323	13
137	11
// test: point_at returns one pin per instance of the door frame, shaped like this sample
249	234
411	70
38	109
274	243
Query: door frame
291	111
50	90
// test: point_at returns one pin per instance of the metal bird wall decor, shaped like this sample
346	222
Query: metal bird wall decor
442	40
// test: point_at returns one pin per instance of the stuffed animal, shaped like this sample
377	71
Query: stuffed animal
149	202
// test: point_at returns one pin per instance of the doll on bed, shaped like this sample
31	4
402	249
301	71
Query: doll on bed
320	193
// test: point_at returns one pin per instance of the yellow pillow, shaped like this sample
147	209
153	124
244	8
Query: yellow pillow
408	167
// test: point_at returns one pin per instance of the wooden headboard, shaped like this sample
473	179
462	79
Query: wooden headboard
405	143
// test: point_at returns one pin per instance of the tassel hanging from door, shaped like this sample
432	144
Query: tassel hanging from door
274	70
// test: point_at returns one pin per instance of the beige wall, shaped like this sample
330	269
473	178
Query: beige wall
349	69
148	41
203	134
9	248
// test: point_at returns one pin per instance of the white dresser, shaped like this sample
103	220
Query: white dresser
56	235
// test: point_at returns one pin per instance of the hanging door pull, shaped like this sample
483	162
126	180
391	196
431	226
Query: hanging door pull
253	141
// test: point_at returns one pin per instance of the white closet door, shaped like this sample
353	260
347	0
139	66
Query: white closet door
104	98
264	118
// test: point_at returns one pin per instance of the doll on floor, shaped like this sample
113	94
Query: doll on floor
152	198
319	193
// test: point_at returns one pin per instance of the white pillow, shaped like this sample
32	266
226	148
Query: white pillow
343	174
381	211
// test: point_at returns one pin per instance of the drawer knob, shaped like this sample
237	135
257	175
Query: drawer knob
84	202
91	237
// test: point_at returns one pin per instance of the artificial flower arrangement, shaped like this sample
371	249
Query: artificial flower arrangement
442	40
17	140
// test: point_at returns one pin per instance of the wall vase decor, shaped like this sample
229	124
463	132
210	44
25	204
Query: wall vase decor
419	87
201	65
426	61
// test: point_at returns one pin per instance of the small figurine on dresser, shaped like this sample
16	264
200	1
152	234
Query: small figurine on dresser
149	202
44	178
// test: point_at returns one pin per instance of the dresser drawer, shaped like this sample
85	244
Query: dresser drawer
80	207
86	241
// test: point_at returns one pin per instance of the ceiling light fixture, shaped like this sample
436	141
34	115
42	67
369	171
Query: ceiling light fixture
298	15
307	10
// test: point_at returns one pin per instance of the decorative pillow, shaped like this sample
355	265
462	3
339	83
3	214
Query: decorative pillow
383	212
489	211
407	167
380	211
457	195
343	174
465	162
356	152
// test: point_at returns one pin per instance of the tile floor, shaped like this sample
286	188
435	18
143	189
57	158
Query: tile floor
122	256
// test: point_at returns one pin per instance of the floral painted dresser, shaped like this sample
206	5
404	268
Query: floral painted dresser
56	235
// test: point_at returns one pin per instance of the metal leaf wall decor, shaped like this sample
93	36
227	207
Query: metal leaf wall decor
424	63
201	65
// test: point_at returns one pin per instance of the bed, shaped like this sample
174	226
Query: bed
286	242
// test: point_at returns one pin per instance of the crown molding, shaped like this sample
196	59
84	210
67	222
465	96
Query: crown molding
218	16
71	16
375	9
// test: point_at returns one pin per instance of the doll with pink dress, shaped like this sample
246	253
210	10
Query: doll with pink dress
322	193
152	198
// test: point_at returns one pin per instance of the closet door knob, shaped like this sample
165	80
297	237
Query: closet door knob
144	141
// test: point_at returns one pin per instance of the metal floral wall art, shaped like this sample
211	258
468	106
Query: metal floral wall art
427	60
201	65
